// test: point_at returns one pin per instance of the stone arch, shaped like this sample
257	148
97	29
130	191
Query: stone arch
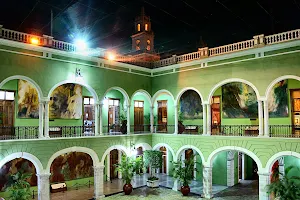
123	92
88	151
90	89
189	147
275	157
119	147
186	89
231	80
281	78
37	87
145	146
37	163
212	156
148	96
160	92
157	146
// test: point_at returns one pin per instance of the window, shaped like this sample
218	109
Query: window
139	27
146	27
138	104
113	102
137	44
6	95
148	45
88	101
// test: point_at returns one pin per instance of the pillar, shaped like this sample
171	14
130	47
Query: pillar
176	119
264	180
46	121
151	119
100	119
281	168
207	182
43	186
230	168
128	119
266	119
119	162
41	119
108	166
175	186
204	119
208	119
96	106
98	182
260	118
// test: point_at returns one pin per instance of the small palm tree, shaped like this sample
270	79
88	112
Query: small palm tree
285	188
18	187
128	167
185	172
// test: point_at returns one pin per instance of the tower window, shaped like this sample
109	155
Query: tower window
138	45
148	45
146	27
139	27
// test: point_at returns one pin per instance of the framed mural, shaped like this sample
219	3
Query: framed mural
14	166
239	101
191	105
278	100
71	166
28	100
66	102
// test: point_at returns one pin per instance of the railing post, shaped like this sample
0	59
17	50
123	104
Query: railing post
151	119
174	59
41	119
1	26
204	119
266	119
208	119
97	115
260	118
176	119
48	40
128	119
203	52
259	40
46	119
100	119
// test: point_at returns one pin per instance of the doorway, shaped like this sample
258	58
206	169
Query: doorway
215	114
163	168
162	116
114	115
7	110
138	115
89	114
295	101
113	161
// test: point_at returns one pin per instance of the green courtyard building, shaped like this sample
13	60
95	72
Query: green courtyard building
67	116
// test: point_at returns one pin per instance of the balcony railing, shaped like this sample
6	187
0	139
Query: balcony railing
18	132
190	129
112	130
71	131
235	130
289	131
160	128
141	128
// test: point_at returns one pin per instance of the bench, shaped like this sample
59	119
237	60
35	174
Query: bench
58	187
191	128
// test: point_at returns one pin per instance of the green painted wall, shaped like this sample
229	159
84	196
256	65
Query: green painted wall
236	168
199	166
292	161
219	171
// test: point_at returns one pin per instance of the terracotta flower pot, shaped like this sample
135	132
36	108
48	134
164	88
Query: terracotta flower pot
185	190
127	188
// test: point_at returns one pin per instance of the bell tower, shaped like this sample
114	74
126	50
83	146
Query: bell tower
142	39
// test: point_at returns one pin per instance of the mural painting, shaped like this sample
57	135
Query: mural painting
191	105
66	102
14	166
278	100
71	166
28	100
239	101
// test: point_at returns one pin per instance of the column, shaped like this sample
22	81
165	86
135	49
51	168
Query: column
281	167
207	182
98	182
266	119
46	126
108	167
128	119
208	119
230	168
41	119
119	161
100	119
175	186
260	118
204	119
43	186
96	106
176	119
264	180
151	119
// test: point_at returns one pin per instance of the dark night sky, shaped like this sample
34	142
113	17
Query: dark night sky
180	26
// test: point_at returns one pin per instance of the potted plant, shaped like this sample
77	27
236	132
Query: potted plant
181	127
18	187
123	121
285	188
184	171
128	167
153	160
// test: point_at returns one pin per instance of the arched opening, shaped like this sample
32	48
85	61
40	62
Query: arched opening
283	98
19	109
75	170
140	112
17	166
233	109
72	111
115	112
163	111
234	171
190	112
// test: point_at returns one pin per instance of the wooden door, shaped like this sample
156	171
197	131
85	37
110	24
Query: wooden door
162	115
113	161
295	109
138	115
215	114
7	109
163	168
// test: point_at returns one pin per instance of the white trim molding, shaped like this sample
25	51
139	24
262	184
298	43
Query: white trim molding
157	146
185	147
145	146
186	89
276	156
159	92
126	96
118	147
145	93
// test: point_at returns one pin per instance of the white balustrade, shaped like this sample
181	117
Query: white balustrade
231	48
282	37
188	57
19	36
65	46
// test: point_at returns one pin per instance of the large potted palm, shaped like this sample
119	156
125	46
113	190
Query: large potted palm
18	187
184	172
285	188
153	161
128	167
